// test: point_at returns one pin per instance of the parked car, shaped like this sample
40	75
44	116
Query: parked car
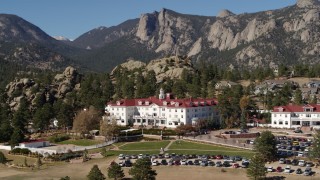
298	171
121	163
287	169
300	154
134	156
164	162
155	163
218	164
127	163
245	164
140	156
121	157
203	163
170	162
302	163
307	171
281	160
287	161
279	169
235	165
238	158
219	157
226	163
211	163
184	162
309	164
294	162
190	162
166	155
270	169
297	131
196	162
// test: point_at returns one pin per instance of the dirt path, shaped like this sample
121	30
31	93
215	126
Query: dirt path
167	147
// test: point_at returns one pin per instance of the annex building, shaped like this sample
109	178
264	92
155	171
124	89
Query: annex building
162	111
296	116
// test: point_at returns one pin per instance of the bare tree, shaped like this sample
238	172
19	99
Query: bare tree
109	129
86	120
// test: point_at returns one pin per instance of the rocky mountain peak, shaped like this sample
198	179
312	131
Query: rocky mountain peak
307	3
147	24
225	13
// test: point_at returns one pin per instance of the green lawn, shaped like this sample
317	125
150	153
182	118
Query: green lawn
154	145
243	153
199	146
116	153
80	142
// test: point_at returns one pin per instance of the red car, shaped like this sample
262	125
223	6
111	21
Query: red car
235	165
219	157
279	169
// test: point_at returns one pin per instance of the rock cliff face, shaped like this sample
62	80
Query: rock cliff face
171	67
28	89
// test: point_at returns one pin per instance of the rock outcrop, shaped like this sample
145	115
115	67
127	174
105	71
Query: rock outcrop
28	89
307	3
225	13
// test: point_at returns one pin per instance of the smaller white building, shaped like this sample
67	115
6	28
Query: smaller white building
34	144
296	116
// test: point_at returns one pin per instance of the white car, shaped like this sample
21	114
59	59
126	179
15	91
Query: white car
183	162
140	156
155	163
281	161
287	169
302	163
166	155
270	169
121	156
300	154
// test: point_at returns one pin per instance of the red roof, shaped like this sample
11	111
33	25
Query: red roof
297	108
189	102
33	141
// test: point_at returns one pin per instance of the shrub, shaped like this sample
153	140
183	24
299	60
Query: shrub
59	138
3	159
22	151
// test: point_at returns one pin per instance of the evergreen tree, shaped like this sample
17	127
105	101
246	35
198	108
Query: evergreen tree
265	145
298	97
16	137
315	150
314	100
3	158
115	172
179	88
95	174
256	169
142	170
38	162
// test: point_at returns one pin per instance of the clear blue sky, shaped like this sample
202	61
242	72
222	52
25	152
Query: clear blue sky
71	18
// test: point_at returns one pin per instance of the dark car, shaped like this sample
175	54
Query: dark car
127	163
196	162
299	171
294	162
287	161
164	162
211	163
279	169
226	163
190	162
245	164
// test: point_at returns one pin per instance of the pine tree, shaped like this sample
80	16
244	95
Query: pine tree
142	170
298	97
315	150
3	158
115	172
38	162
25	163
256	169
16	137
95	174
265	145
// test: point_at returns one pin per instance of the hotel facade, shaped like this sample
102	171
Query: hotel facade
164	111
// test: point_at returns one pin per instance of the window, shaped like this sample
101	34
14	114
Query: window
154	109
176	110
274	115
285	115
308	115
163	121
138	120
181	110
286	122
274	122
280	122
169	110
122	121
181	116
176	116
170	116
187	110
163	114
163	109
143	120
170	123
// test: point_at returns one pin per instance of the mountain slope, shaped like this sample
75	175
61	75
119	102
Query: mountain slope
269	38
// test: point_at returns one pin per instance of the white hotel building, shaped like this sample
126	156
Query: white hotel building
295	116
163	111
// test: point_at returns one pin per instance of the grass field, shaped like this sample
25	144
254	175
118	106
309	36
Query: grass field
80	142
247	154
198	146
154	145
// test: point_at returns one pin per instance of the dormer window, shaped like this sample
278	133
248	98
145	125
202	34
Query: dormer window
147	103
280	109
172	103
191	104
165	103
118	103
177	104
139	103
